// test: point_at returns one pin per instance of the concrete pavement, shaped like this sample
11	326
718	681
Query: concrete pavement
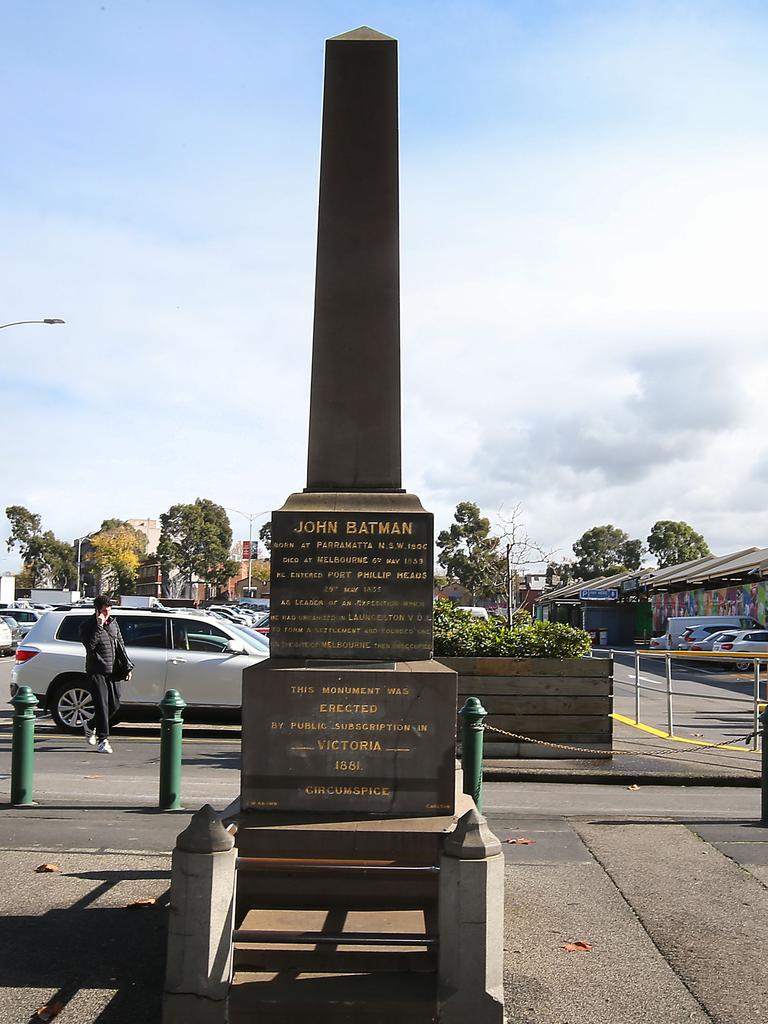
667	883
673	903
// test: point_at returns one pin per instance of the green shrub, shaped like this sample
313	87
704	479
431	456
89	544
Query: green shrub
459	634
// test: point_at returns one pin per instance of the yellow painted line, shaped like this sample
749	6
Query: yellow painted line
721	655
676	739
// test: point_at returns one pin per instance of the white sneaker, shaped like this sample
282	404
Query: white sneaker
104	748
90	735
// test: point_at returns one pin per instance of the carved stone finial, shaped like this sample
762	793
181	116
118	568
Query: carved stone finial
205	833
472	839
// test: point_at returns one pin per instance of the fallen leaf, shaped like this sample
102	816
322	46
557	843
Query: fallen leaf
45	869
149	901
634	787
697	734
577	947
521	842
50	1010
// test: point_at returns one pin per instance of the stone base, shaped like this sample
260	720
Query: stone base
471	923
360	739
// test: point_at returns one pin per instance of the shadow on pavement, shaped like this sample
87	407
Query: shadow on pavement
86	947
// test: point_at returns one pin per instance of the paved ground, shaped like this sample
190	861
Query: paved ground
668	883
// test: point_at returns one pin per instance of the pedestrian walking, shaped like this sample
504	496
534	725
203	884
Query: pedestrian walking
106	664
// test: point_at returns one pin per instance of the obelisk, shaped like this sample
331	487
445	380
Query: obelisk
351	713
354	419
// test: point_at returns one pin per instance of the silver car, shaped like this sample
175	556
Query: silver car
17	633
748	641
201	657
6	638
25	617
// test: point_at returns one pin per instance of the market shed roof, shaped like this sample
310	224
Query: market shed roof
700	570
696	573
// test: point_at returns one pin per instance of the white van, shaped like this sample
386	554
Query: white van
676	625
474	610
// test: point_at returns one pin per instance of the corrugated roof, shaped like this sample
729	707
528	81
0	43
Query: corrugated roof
700	569
696	572
572	590
739	563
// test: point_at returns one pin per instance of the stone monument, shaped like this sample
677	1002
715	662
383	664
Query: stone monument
363	871
350	713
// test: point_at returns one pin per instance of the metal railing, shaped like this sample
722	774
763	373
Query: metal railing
754	699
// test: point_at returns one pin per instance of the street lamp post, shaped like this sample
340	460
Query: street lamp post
79	559
48	320
250	516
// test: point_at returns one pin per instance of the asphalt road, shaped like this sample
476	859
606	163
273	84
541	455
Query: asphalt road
118	793
709	711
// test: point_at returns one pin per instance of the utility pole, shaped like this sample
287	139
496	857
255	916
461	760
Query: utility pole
509	584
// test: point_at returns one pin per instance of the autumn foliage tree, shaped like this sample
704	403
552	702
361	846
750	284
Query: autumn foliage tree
115	552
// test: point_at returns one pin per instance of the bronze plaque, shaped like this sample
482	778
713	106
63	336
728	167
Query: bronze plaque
351	586
354	739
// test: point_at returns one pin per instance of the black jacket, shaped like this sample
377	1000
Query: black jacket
100	644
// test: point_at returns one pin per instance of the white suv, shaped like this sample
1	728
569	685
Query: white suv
201	657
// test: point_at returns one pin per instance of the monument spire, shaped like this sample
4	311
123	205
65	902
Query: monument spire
354	419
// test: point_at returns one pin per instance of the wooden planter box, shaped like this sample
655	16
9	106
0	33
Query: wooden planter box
562	700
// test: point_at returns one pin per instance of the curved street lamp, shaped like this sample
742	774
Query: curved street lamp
250	516
48	320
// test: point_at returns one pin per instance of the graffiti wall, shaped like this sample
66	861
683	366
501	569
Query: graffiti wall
747	600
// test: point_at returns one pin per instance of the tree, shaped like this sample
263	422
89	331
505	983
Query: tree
604	551
196	540
672	542
560	574
24	526
521	553
48	562
470	554
114	556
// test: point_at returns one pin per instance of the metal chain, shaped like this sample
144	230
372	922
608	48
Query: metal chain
653	752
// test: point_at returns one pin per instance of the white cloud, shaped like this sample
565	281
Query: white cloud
584	312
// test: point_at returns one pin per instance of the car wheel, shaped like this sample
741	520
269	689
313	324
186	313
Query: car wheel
743	666
71	705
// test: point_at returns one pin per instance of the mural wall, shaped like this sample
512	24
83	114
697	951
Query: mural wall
747	600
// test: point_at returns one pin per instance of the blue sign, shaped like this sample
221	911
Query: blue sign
609	594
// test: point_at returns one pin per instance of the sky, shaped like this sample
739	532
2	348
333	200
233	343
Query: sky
583	224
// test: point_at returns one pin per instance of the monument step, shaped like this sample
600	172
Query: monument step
343	997
324	940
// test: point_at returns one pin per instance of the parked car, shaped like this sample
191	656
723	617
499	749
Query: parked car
17	633
677	624
659	643
262	625
200	656
6	638
694	634
228	612
748	641
707	643
25	617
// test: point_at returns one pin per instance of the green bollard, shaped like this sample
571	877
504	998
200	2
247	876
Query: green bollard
764	779
473	714
171	708
23	747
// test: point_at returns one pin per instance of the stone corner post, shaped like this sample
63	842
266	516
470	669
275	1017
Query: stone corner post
201	921
471	925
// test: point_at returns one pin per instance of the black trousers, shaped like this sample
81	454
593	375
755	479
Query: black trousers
106	703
